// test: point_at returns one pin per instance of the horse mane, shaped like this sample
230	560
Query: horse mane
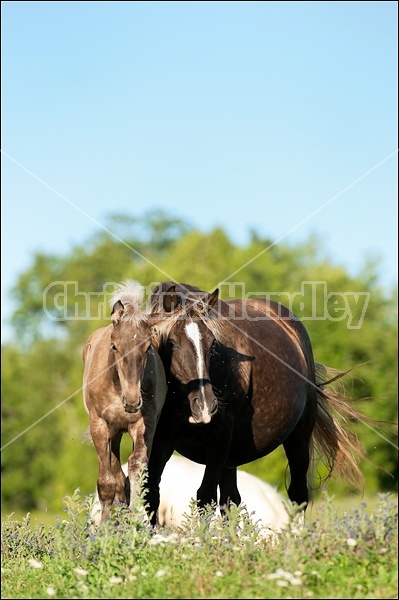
192	305
192	312
131	294
210	318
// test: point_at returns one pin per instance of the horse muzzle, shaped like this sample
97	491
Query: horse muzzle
131	407
202	408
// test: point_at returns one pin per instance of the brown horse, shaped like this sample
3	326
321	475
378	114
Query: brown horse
124	389
242	381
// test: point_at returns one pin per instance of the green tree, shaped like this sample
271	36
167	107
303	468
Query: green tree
43	417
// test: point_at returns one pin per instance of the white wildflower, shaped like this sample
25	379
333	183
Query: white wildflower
351	542
157	539
316	574
285	578
115	579
35	563
134	569
219	574
160	573
80	571
50	591
162	539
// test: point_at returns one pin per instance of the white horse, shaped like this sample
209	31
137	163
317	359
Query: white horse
180	481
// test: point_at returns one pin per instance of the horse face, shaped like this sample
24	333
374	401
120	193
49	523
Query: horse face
130	345
190	346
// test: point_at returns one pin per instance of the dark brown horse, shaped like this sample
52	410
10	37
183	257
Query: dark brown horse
242	381
124	390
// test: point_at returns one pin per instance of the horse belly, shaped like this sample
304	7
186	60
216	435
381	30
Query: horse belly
196	453
262	427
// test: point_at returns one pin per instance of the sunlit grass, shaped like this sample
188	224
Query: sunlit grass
342	551
341	503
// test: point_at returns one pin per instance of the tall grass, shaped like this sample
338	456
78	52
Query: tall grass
335	554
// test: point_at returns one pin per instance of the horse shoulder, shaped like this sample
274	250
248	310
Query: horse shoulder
154	380
161	383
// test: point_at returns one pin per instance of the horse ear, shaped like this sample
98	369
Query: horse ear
213	298
171	300
117	312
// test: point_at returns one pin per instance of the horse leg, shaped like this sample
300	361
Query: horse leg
106	484
297	449
116	468
219	445
161	452
228	489
138	460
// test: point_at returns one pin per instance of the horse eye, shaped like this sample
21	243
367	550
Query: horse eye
170	344
114	348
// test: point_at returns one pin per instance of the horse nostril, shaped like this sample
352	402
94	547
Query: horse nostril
196	404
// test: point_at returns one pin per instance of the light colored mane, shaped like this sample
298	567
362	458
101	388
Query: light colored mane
194	311
131	294
211	319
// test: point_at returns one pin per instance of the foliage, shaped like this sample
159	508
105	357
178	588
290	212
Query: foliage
42	410
347	555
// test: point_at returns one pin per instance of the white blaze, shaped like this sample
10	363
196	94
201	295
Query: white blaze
193	332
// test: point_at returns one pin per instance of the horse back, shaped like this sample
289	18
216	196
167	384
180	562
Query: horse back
272	321
93	340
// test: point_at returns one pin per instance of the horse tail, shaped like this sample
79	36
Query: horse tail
340	448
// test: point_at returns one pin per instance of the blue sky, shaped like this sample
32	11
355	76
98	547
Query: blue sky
274	116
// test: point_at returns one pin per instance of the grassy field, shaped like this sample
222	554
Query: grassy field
341	503
345	550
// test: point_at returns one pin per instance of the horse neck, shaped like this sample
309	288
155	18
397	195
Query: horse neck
112	370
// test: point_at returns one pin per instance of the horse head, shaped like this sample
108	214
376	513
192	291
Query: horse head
188	340
130	348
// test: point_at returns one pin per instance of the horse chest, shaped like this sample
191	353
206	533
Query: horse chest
117	418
